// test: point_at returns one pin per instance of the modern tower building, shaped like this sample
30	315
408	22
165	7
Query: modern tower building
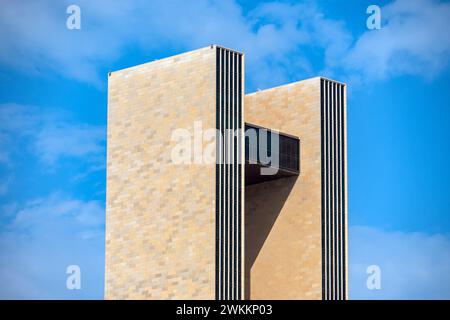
217	194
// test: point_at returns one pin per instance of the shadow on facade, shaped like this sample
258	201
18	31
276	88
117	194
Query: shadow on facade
263	204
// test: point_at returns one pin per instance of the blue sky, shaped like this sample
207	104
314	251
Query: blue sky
53	125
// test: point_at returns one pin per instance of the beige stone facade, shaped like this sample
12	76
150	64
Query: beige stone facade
162	218
283	217
160	223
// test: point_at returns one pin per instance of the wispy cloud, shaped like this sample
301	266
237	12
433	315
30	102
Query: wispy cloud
36	40
269	35
274	36
72	141
17	121
413	40
41	238
4	185
39	214
51	136
413	265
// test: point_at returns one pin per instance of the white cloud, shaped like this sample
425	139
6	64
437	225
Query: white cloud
51	136
70	140
38	214
4	185
413	265
16	121
274	37
41	238
413	40
35	38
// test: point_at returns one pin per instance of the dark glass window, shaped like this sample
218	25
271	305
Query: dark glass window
288	147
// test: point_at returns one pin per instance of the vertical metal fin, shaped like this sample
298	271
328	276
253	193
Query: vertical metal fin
229	175
334	273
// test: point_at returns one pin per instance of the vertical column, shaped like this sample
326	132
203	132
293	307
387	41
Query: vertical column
232	170
229	178
224	141
323	184
339	187
241	163
334	186
218	172
329	195
344	187
235	186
